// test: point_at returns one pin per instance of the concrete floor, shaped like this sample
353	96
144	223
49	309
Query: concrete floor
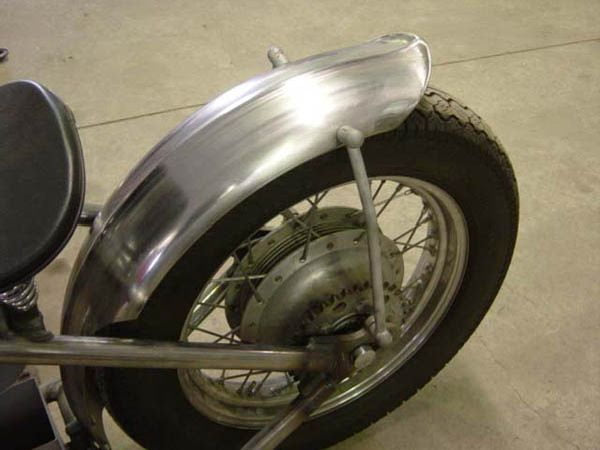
530	377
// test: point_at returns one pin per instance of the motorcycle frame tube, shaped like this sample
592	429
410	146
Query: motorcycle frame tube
137	353
218	157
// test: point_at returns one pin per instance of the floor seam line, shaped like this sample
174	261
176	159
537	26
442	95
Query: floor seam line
140	116
446	63
516	52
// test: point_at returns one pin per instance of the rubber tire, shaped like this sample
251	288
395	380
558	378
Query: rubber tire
442	142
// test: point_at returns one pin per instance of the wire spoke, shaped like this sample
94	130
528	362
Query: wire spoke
289	379
241	388
229	336
207	302
390	198
262	382
288	214
305	226
207	305
378	190
407	246
245	374
422	247
422	222
212	333
241	278
231	341
250	253
250	242
314	203
280	389
216	306
306	244
396	194
412	233
410	285
290	382
248	280
310	215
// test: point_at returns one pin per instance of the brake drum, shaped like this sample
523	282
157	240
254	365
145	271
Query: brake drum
309	277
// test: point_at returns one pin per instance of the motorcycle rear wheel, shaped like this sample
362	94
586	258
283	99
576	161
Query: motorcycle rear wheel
442	144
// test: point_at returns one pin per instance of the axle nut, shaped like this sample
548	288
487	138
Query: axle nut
363	356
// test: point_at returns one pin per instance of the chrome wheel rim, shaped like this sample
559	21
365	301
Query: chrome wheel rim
434	250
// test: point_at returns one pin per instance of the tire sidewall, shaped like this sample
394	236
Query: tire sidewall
150	404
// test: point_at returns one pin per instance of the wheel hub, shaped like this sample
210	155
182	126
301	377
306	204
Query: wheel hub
268	272
319	286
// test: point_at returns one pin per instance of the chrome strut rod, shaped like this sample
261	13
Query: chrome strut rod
353	140
115	352
315	392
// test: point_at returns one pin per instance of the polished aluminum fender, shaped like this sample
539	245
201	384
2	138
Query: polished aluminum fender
222	154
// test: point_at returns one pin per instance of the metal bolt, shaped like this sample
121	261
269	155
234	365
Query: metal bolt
350	137
363	356
276	56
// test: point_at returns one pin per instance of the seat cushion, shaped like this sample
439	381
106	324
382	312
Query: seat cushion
41	179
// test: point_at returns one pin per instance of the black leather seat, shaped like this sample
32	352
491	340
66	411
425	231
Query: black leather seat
42	179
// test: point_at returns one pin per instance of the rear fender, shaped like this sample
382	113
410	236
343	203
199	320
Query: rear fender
222	154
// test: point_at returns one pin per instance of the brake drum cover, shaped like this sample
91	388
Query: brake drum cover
316	288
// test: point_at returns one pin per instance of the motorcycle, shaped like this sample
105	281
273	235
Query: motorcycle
288	265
